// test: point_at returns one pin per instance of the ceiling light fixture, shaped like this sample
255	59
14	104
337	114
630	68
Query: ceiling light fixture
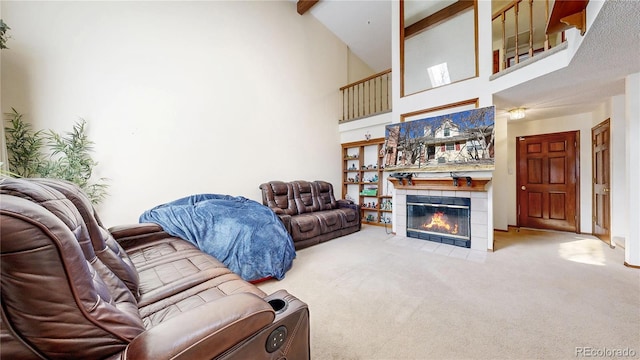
516	114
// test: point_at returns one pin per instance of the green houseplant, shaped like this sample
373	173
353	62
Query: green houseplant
52	155
3	34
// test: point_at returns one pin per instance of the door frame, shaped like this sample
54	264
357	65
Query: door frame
606	239
576	169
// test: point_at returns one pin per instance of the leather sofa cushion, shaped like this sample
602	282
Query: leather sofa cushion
305	226
350	217
220	286
278	196
330	220
304	194
326	199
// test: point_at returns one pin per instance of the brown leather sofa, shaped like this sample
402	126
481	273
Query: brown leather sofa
310	212
72	289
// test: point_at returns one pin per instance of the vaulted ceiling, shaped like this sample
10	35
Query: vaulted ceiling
609	52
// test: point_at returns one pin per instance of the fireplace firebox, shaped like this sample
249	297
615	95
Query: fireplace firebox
439	218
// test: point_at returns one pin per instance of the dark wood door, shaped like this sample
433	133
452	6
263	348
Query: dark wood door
601	186
548	181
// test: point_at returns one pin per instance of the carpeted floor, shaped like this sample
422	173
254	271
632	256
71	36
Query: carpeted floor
539	295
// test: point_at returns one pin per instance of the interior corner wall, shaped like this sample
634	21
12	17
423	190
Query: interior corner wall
501	175
632	193
356	68
579	122
181	97
617	169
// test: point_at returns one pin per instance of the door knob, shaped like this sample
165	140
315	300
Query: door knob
523	187
606	190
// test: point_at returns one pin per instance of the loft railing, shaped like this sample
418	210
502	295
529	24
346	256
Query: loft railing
519	28
366	97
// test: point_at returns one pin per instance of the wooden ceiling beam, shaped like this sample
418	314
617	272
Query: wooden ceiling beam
437	17
304	5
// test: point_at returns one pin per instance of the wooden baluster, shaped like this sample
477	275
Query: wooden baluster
366	99
375	95
381	93
369	97
343	103
371	111
348	90
546	16
388	106
361	104
530	28
504	41
357	105
517	10
353	97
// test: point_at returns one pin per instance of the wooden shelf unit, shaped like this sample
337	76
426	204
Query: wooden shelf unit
361	162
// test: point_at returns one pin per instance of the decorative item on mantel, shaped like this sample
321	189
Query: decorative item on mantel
465	183
401	176
455	179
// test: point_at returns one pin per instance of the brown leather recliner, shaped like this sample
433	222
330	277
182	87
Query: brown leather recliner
71	290
310	212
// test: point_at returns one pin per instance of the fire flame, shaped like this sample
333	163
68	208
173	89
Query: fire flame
439	222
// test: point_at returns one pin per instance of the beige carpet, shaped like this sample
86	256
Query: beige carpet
540	295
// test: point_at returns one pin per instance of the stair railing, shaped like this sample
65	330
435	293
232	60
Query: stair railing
367	97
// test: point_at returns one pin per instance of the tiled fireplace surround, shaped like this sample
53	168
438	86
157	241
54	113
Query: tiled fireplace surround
481	232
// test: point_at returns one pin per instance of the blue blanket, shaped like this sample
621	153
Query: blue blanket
243	234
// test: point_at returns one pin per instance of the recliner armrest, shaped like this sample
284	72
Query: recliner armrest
347	204
204	332
129	230
286	220
127	235
343	202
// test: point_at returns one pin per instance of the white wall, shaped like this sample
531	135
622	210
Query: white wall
632	134
449	42
356	68
618	169
181	97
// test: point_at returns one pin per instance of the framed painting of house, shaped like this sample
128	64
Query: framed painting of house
460	141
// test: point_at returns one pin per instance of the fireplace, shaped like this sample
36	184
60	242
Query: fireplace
439	218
